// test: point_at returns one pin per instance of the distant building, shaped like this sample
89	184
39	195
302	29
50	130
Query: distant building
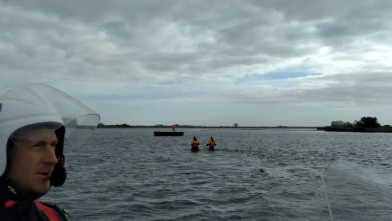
235	125
337	123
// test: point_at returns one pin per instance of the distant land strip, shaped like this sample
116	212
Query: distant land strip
190	126
384	129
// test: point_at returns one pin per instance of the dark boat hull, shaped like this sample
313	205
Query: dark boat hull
166	133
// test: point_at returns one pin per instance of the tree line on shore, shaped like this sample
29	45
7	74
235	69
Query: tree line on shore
367	122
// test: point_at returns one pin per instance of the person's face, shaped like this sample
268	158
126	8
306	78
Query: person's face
33	160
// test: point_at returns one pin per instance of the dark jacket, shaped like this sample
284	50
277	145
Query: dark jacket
15	205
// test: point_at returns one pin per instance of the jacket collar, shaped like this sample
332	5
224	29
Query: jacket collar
10	191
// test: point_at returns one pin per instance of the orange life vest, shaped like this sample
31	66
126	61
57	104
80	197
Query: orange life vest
48	211
212	143
195	143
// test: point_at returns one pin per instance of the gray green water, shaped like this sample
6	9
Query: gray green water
128	174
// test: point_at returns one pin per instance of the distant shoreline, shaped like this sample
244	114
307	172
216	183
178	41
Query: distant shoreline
356	129
206	127
326	128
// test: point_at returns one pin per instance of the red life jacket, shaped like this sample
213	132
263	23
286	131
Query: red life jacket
49	212
195	143
212	143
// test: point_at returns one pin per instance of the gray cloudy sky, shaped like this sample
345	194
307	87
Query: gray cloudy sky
255	63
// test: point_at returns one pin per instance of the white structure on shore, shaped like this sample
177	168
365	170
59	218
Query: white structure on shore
337	123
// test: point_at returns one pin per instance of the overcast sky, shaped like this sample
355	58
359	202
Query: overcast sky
255	63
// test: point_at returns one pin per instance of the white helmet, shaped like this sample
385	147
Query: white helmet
38	104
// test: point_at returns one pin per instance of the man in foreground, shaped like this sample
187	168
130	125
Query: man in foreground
34	119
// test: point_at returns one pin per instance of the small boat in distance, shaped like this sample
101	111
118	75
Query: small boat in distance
167	133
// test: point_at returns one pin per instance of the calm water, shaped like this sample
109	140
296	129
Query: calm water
128	174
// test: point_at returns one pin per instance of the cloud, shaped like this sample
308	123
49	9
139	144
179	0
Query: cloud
354	90
274	52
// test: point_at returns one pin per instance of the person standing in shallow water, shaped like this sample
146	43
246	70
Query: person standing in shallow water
195	145
212	144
